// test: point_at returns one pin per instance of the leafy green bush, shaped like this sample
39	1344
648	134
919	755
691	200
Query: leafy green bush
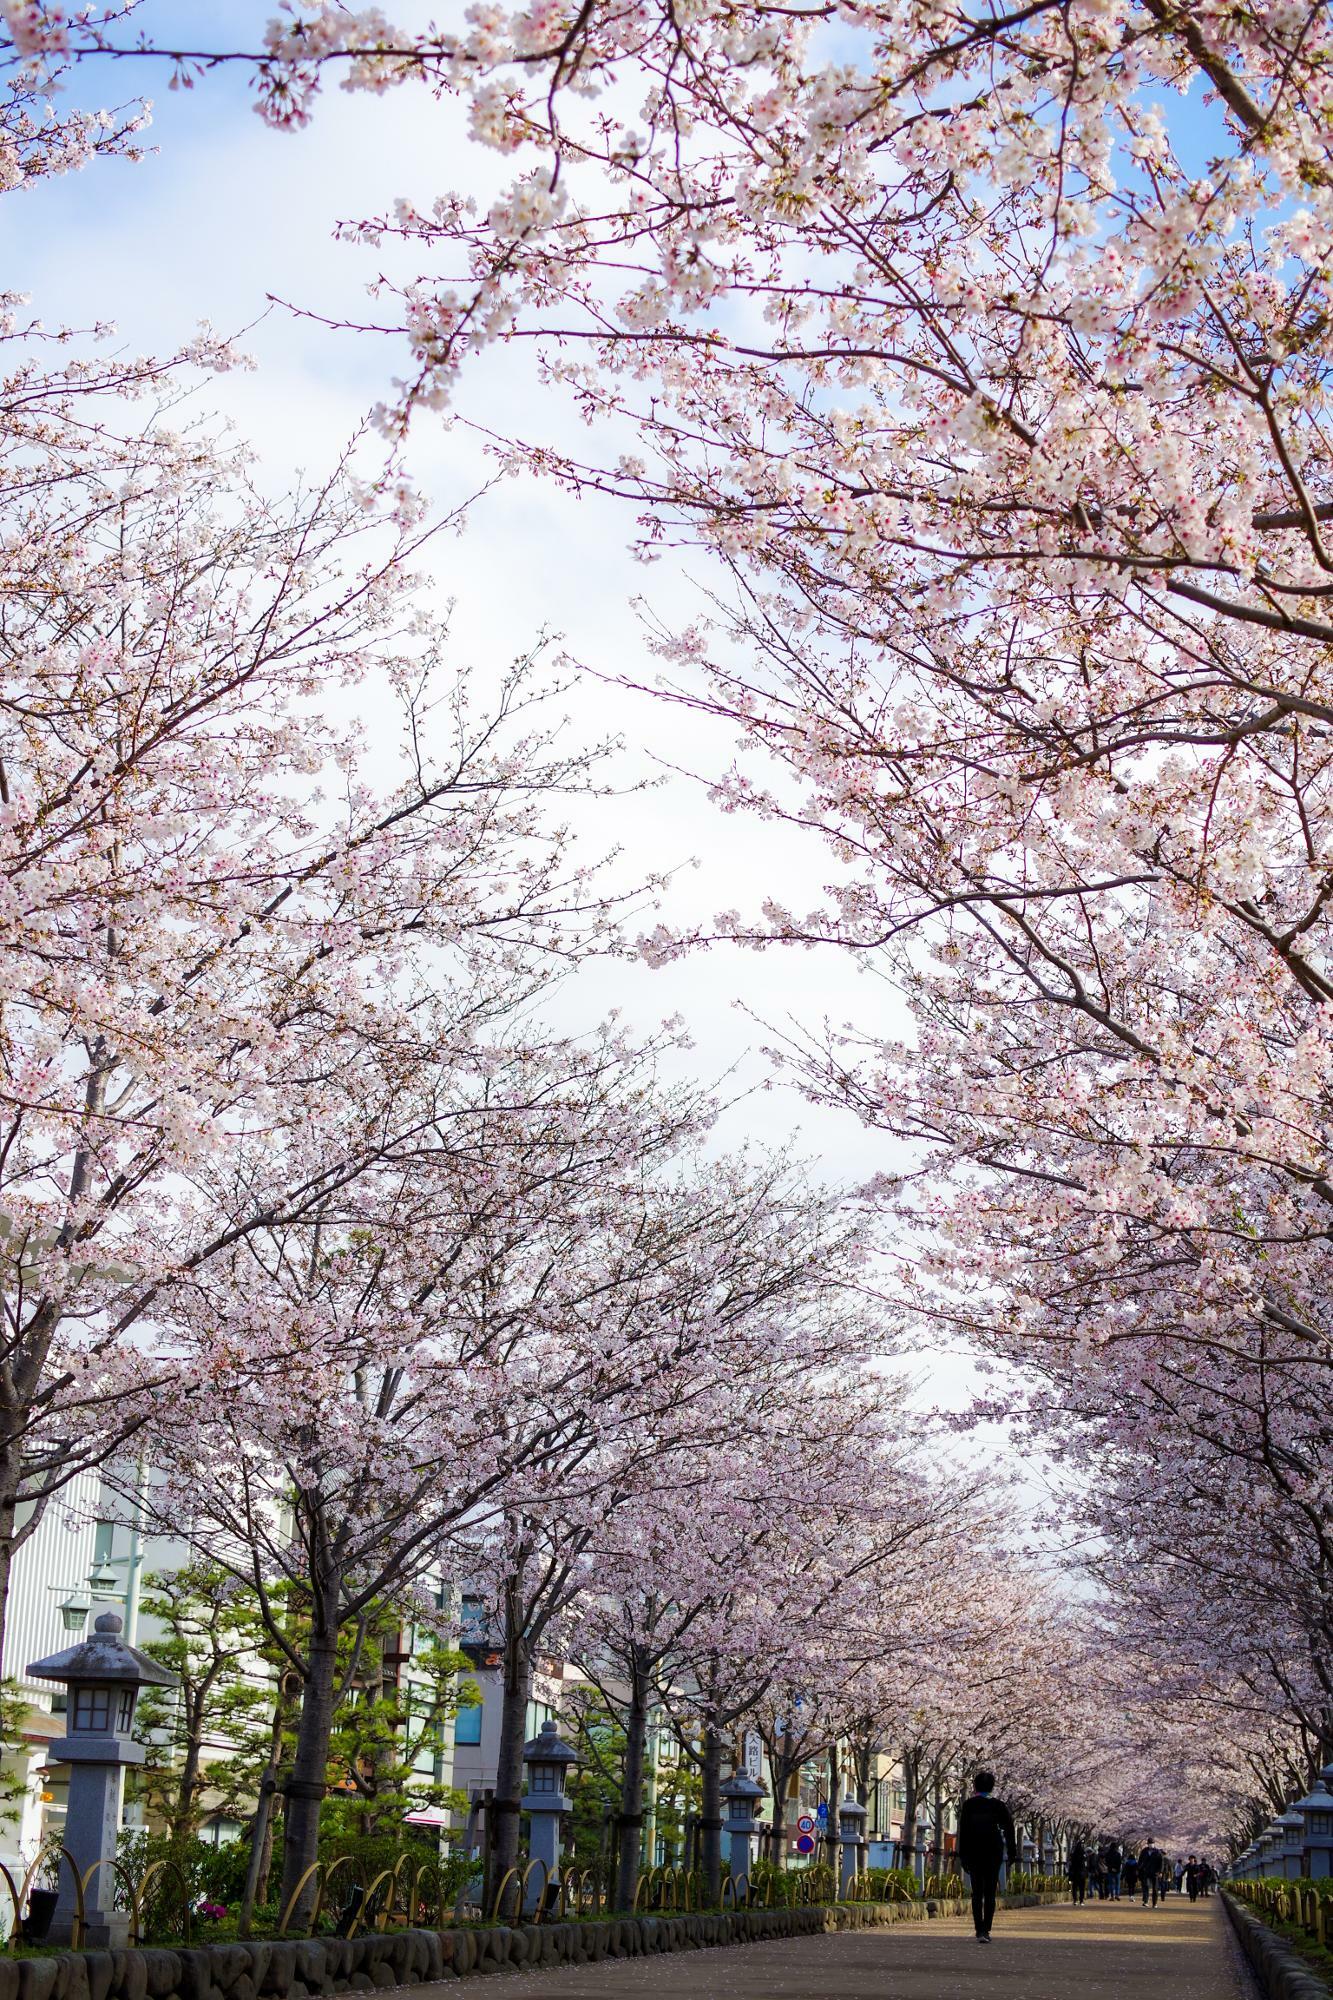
212	1874
373	1855
892	1885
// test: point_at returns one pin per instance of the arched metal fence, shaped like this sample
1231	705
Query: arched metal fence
158	1903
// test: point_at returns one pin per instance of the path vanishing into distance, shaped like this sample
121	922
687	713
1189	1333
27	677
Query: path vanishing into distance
1104	1951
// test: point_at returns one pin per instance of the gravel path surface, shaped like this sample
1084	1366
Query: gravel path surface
1105	1951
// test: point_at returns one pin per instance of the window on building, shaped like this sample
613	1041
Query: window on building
538	1713
467	1724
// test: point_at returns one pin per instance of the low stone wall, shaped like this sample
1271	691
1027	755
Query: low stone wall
1281	1973
300	1969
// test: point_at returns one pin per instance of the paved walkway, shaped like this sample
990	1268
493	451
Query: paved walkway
1105	1951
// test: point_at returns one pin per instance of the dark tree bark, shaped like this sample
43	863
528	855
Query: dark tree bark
306	1785
503	1816
912	1792
631	1782
710	1814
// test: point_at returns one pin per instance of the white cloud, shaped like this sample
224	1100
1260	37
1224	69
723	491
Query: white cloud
229	212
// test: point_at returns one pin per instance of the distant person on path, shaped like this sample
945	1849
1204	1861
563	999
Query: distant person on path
1207	1878
1078	1871
985	1836
1193	1883
1129	1875
1115	1861
1151	1863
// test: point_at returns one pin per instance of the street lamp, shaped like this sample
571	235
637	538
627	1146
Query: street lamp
1270	1840
1292	1826
852	1818
74	1611
742	1795
549	1761
102	1677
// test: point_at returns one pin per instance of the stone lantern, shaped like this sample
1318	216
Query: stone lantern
1268	1842
1316	1811
852	1818
921	1833
103	1676
1289	1859
741	1794
549	1761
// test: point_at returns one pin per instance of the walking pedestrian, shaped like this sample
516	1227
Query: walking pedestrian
1115	1861
1152	1861
1078	1871
1192	1882
985	1836
1129	1874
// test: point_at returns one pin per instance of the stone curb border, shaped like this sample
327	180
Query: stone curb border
314	1968
1279	1971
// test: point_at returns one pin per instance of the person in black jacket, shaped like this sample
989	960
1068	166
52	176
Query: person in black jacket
1078	1871
985	1836
1151	1863
1115	1860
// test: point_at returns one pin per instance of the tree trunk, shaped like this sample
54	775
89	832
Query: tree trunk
383	1757
783	1766
503	1813
305	1788
191	1784
261	1850
832	1848
282	1711
910	1775
10	1472
631	1783
710	1815
863	1765
181	1821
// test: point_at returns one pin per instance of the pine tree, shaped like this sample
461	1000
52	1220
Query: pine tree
212	1639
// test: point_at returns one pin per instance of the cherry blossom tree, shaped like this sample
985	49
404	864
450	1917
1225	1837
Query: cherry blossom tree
988	358
422	1352
1207	1539
41	132
765	1585
745	1280
992	371
213	919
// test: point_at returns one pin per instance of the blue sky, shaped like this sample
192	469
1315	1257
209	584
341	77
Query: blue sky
226	211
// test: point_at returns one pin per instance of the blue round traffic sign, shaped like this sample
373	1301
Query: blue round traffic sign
804	1844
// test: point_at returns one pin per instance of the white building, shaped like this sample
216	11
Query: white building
86	1556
